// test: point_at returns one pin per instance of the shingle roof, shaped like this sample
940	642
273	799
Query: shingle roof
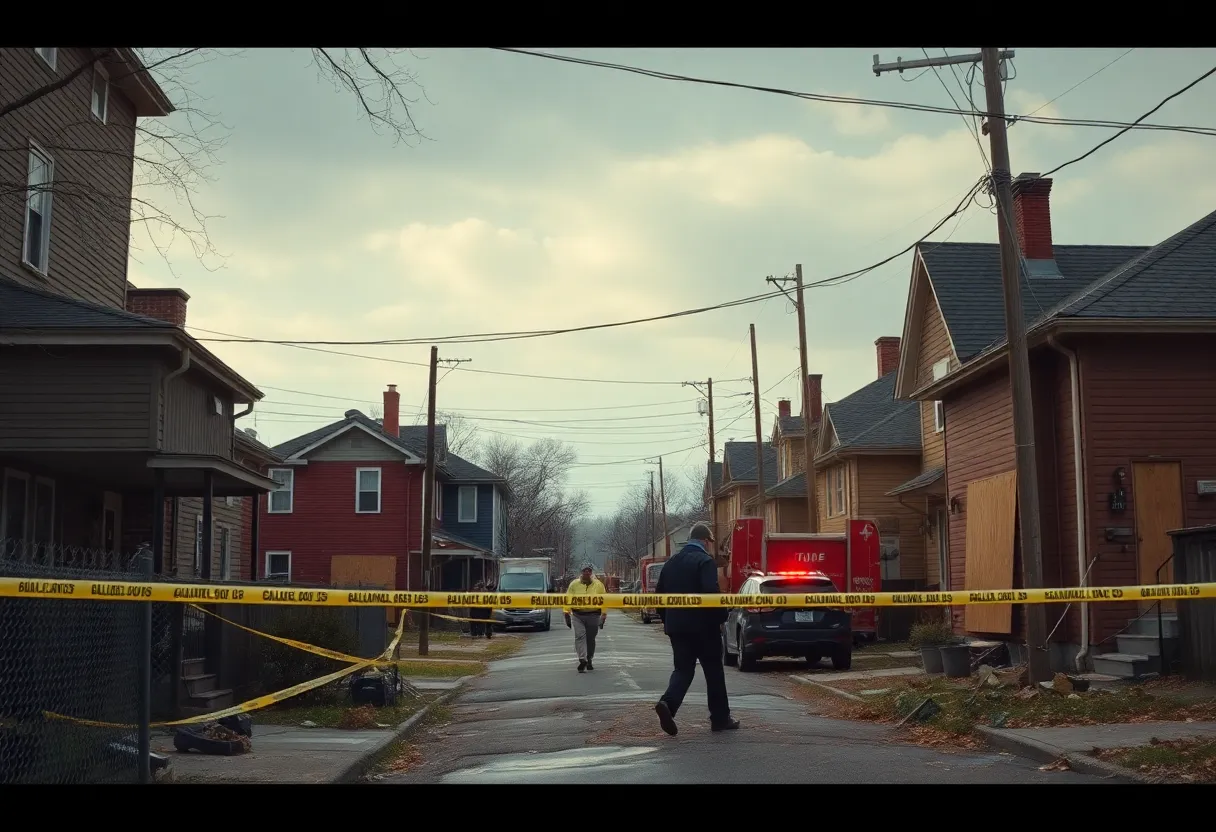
460	469
792	486
790	424
919	481
23	307
258	445
873	418
741	456
1174	279
463	542
715	476
966	279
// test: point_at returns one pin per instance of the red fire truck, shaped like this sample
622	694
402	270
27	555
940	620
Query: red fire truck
649	568
851	560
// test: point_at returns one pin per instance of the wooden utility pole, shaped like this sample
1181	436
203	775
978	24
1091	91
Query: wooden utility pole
652	513
428	505
1019	373
663	502
713	518
812	503
759	445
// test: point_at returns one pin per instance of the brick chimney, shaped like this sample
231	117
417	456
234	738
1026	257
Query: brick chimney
888	354
783	408
392	411
1032	213
815	383
163	304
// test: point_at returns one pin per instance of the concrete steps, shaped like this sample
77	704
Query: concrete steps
199	693
1138	650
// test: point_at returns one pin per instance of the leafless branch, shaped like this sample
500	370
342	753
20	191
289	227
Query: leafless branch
379	84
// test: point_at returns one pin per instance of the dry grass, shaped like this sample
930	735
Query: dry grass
406	754
1187	761
341	713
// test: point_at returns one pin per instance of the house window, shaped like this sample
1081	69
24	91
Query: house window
467	503
278	566
282	498
44	511
940	371
198	544
15	517
37	243
49	54
225	554
367	491
836	504
101	93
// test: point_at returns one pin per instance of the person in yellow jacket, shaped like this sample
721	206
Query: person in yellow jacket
587	620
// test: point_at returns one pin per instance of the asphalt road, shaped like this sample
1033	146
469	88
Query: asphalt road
534	719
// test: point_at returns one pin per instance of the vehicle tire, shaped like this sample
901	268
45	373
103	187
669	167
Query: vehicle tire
747	664
729	659
547	626
813	659
842	659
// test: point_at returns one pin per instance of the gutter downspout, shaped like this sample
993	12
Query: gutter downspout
1079	475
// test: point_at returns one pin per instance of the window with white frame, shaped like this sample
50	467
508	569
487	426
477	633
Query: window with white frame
282	498
467	504
36	246
940	370
225	554
101	93
367	491
278	566
198	544
50	54
836	491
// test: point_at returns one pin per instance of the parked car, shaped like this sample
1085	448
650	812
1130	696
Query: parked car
754	633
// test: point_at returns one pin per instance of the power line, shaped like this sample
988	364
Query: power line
547	423
844	99
471	409
1082	81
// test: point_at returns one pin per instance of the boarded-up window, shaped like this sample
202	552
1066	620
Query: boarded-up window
991	516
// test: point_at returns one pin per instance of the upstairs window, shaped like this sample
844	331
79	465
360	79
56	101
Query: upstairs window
49	54
37	244
467	503
367	491
101	94
940	370
281	500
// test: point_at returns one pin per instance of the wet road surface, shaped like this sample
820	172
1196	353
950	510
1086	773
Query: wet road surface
534	719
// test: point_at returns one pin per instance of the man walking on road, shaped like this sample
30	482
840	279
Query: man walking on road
696	635
588	621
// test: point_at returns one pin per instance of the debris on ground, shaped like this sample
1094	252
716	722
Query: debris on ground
1185	760
308	723
1059	765
362	717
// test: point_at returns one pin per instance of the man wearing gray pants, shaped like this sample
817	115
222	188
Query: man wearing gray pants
589	619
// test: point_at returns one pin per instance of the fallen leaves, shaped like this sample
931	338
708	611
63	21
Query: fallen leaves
1184	760
1059	765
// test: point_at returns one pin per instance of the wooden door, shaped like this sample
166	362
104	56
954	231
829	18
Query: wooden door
1157	496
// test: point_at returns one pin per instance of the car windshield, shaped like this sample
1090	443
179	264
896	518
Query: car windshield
796	586
522	582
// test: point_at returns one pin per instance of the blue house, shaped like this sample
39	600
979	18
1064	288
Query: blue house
470	534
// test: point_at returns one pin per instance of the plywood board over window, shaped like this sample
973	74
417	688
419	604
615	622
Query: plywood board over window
991	519
365	571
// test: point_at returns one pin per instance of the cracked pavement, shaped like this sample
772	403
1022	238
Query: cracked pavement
533	719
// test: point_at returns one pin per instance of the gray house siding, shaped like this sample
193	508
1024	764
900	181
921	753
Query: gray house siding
191	423
65	400
356	446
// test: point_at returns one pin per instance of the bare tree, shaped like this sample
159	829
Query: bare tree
541	512
462	435
176	154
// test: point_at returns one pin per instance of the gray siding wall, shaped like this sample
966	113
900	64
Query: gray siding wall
191	425
90	222
182	542
356	446
67	401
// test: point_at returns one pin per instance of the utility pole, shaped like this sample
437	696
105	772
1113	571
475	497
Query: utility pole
713	518
663	502
1029	524
428	505
759	447
652	512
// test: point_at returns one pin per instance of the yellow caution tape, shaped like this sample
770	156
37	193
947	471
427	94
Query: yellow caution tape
261	701
192	593
291	642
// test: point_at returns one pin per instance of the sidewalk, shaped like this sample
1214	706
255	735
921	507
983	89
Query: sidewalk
1076	744
293	754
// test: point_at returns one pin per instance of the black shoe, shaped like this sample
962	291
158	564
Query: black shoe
590	666
729	725
666	721
582	665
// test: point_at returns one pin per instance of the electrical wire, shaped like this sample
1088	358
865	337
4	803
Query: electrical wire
469	409
844	99
1082	81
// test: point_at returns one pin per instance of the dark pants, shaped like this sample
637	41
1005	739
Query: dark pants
686	650
486	629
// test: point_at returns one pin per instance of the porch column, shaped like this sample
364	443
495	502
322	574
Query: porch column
208	522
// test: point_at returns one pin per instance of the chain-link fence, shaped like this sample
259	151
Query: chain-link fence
72	672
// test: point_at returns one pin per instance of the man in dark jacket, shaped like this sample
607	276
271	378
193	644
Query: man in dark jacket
696	634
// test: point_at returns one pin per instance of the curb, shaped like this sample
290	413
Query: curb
1044	752
360	767
806	681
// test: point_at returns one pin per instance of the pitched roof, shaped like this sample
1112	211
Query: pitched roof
741	457
258	446
966	280
790	424
873	418
24	307
921	480
792	486
715	476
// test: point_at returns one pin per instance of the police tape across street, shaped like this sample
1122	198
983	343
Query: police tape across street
288	596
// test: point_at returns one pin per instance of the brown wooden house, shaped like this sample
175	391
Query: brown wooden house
868	444
785	506
1123	399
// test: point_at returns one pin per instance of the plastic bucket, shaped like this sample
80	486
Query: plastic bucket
956	660
931	658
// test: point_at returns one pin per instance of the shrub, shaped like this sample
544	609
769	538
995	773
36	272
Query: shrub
283	666
930	633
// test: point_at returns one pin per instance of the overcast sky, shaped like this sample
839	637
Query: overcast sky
554	195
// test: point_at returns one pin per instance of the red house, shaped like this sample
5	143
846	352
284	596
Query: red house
348	508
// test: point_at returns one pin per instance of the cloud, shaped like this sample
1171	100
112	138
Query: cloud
859	120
